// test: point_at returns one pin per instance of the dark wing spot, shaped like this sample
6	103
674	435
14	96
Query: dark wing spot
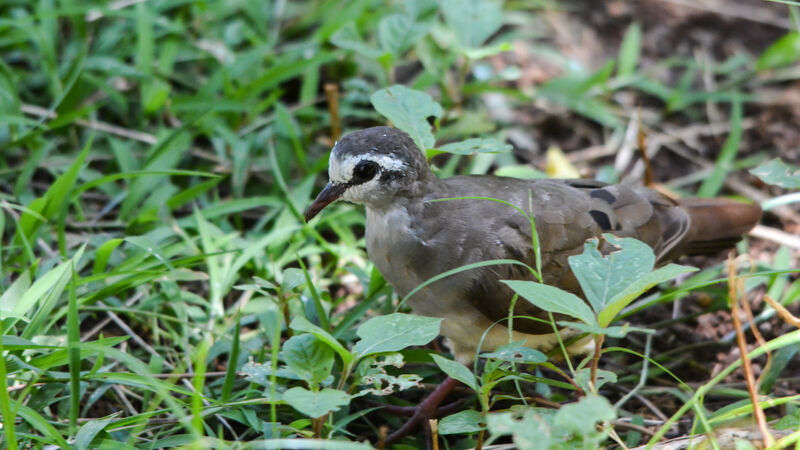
601	218
581	183
603	194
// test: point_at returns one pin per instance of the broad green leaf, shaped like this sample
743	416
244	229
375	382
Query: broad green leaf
456	370
316	404
292	278
582	416
516	352
783	52
260	374
300	323
530	428
409	111
398	32
469	421
583	376
602	277
308	357
472	21
394	332
476	145
629	51
553	299
778	173
419	8
384	384
637	288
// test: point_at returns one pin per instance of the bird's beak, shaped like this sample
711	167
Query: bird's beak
325	198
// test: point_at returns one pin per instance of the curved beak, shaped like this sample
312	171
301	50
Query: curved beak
325	198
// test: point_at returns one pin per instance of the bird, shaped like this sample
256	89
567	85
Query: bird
412	236
419	226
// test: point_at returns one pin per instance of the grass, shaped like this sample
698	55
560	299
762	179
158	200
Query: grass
159	286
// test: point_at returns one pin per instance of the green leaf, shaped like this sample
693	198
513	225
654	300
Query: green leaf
469	421
475	145
553	299
472	21
103	253
629	51
316	404
89	430
398	32
578	91
394	332
531	428
516	352
408	110
308	357
602	277
300	323
783	52
347	38
724	163
580	417
778	173
155	93
637	288
456	370
583	376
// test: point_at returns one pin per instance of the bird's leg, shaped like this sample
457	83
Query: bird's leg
427	409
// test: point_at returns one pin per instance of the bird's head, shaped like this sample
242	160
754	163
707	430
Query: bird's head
372	167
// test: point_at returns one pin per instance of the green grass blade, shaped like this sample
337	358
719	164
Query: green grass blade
9	427
233	358
722	166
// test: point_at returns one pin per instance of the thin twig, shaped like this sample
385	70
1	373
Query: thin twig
332	94
740	340
783	312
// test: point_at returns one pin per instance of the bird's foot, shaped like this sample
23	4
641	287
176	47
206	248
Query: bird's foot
426	410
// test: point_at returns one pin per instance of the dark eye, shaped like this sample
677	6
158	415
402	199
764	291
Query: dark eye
364	171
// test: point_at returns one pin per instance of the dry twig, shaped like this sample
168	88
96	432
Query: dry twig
733	293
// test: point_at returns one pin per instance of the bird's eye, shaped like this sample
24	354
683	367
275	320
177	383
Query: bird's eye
364	171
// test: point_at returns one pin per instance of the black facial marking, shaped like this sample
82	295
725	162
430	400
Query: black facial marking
363	172
601	218
603	194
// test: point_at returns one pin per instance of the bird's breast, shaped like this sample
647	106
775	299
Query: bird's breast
391	244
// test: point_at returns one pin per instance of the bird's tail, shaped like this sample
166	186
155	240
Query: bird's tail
717	223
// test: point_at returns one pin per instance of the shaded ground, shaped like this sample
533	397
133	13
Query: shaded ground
695	337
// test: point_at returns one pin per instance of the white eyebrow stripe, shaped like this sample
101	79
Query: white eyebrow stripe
343	173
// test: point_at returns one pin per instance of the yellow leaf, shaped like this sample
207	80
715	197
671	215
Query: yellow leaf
558	166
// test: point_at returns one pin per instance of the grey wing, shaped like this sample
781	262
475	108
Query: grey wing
566	213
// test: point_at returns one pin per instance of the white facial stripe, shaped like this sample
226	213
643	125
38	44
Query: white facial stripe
343	173
358	192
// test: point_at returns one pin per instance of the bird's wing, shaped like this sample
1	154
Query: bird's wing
566	214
